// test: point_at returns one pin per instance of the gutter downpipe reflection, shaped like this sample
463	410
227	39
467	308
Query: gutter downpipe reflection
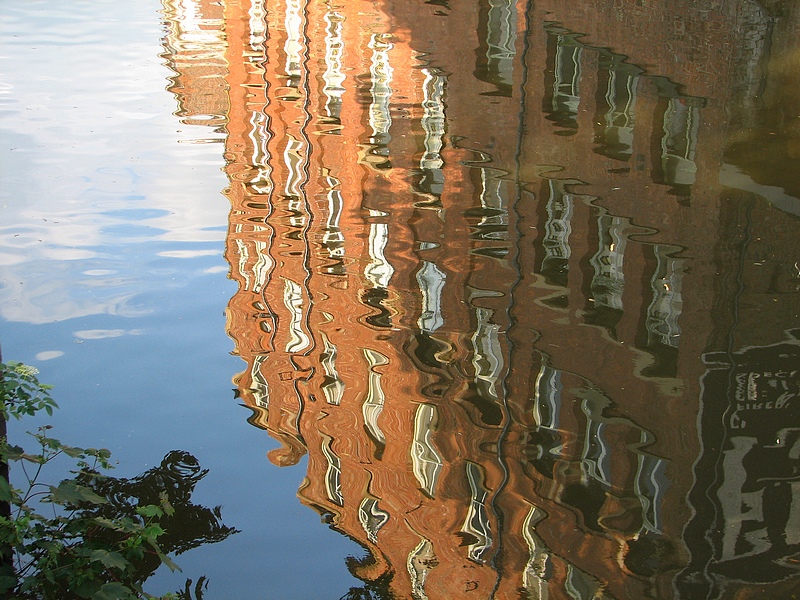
498	512
301	187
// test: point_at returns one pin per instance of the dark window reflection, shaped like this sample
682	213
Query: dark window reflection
557	229
617	90
675	141
562	82
662	332
608	278
497	34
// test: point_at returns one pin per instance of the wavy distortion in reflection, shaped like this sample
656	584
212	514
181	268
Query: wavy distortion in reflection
496	286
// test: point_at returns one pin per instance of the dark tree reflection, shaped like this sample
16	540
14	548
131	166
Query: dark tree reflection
189	526
373	589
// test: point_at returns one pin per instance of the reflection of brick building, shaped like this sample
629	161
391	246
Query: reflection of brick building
428	227
195	52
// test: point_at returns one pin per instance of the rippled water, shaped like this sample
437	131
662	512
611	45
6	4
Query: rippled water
511	291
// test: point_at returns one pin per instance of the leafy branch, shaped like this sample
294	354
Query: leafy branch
88	536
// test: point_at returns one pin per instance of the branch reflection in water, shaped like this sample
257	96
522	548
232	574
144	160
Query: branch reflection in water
189	526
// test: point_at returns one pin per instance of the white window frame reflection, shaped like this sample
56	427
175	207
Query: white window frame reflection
477	523
259	386
419	563
381	73
294	46
534	577
487	355
333	472
596	454
334	76
372	518
379	271
608	282
293	300
332	386
425	459
372	407
431	281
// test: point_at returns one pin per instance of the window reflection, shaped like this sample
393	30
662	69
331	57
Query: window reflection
374	400
476	525
259	386
580	585
431	283
257	30
555	264
379	273
596	452
332	385
547	401
333	472
333	239
650	486
421	560
487	357
334	77
293	159
615	127
663	313
679	144
608	280
261	182
293	47
380	118
562	95
665	309
498	38
433	124
537	568
426	461
293	300
493	224
372	518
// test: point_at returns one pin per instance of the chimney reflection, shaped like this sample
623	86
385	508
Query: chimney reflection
489	282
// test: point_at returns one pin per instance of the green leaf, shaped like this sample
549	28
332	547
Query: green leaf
150	510
6	492
7	582
153	531
168	561
72	451
165	504
164	558
110	560
69	492
113	591
108	523
13	452
34	458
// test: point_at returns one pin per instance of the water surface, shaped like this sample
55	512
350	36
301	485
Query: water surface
512	292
